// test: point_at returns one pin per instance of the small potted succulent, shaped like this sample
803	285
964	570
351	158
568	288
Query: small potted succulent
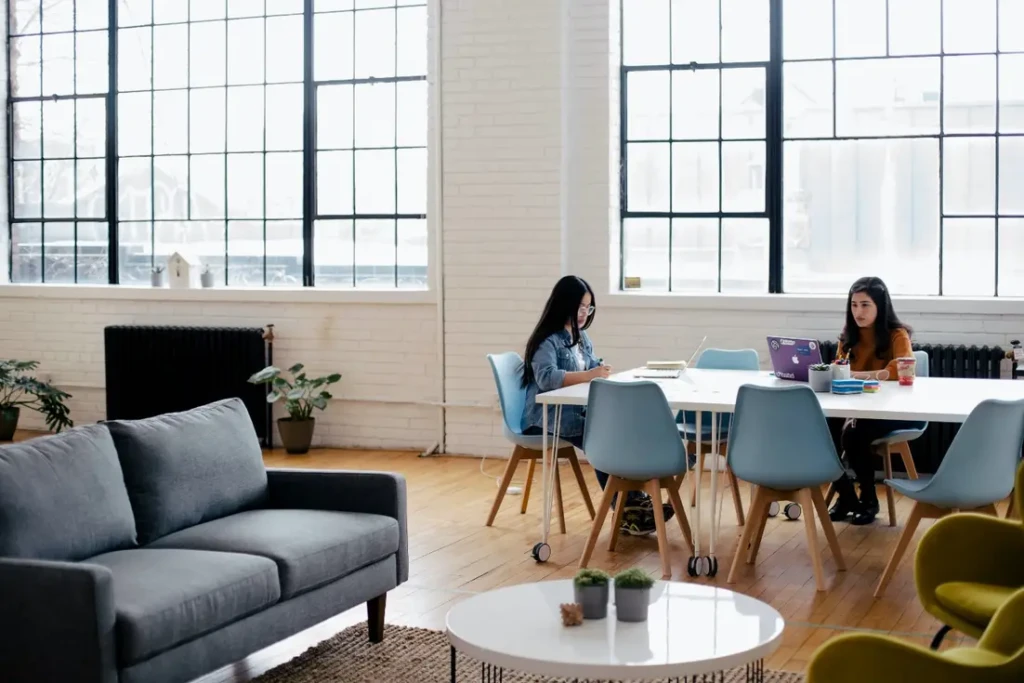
819	376
206	276
157	276
590	587
632	594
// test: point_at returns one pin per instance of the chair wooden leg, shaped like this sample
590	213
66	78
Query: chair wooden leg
610	488
558	497
620	507
803	496
737	502
574	461
529	485
759	519
756	505
916	515
826	525
989	510
506	479
672	485
890	497
903	448
654	491
1009	508
830	494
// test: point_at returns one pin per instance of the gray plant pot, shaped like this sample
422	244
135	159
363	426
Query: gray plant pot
820	380
594	600
206	279
631	603
296	435
157	279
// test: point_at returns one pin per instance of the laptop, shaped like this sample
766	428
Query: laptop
667	369
793	357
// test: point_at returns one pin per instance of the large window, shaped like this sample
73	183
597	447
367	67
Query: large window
795	145
279	142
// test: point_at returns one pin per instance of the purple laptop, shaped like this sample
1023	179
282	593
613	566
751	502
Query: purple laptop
792	357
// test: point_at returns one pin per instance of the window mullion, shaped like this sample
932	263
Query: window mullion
308	145
773	152
113	271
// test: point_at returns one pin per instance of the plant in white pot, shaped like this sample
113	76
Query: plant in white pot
590	589
301	396
632	594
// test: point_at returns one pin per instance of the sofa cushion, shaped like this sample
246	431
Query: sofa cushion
311	547
185	468
63	497
163	598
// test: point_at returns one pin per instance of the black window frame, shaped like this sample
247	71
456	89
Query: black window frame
775	139
310	215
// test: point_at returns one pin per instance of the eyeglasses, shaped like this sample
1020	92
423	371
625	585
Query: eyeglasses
587	310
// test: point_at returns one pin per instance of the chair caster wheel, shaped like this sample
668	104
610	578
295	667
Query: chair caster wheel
693	566
712	566
541	552
773	509
792	511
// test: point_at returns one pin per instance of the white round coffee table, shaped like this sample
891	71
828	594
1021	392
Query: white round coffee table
691	629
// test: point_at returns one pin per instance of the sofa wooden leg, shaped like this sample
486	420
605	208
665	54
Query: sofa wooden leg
375	618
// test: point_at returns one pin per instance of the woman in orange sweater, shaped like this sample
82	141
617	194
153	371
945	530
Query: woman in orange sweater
874	337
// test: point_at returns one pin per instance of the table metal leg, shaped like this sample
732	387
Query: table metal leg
542	551
711	564
693	567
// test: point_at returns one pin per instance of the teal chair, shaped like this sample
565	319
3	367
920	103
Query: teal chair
780	442
631	434
508	375
715	359
977	472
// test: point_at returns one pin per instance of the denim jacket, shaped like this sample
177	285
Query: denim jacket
553	359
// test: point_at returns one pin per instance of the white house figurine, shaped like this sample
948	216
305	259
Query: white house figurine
183	271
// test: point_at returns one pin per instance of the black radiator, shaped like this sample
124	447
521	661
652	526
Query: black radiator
944	360
152	370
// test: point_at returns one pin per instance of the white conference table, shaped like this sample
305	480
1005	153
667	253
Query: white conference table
932	399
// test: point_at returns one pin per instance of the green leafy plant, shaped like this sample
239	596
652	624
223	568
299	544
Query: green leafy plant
820	366
591	577
300	395
19	390
633	578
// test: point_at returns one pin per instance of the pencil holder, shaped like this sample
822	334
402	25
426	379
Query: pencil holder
841	371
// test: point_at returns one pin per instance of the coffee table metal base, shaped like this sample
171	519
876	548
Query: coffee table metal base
495	674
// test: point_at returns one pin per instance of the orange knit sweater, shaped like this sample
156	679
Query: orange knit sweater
863	358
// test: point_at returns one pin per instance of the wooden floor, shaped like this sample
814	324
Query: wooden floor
453	555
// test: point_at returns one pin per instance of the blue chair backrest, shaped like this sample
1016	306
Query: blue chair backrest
981	463
630	431
922	368
720	359
508	376
780	438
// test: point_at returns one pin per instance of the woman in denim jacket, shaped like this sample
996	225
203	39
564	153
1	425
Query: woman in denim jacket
560	354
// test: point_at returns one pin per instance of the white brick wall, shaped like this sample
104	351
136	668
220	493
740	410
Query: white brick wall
528	94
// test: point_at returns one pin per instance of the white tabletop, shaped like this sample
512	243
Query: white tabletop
937	399
690	629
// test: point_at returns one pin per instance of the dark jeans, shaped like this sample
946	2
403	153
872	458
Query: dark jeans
854	441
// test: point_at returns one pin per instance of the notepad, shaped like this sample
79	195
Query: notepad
847	386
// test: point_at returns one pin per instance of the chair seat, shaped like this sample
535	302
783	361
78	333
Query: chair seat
166	597
973	602
532	442
311	547
901	435
918	490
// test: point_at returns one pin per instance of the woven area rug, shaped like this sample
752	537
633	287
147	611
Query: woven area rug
411	655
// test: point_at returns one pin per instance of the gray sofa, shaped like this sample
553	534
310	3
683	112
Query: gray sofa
159	550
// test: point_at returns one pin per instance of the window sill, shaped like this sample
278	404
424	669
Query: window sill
808	303
296	295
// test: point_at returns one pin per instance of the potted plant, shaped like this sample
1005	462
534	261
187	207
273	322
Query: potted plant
632	594
590	587
157	276
206	277
301	396
18	390
820	377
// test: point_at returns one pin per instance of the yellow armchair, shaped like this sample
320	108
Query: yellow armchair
998	658
967	566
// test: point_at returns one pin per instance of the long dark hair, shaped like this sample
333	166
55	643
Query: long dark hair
561	308
886	322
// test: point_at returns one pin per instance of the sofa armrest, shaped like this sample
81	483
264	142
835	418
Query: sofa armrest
378	493
56	622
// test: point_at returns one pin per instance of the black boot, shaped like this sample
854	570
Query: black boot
847	504
868	505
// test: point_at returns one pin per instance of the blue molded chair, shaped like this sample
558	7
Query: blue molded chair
780	442
977	471
631	434
508	374
715	359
